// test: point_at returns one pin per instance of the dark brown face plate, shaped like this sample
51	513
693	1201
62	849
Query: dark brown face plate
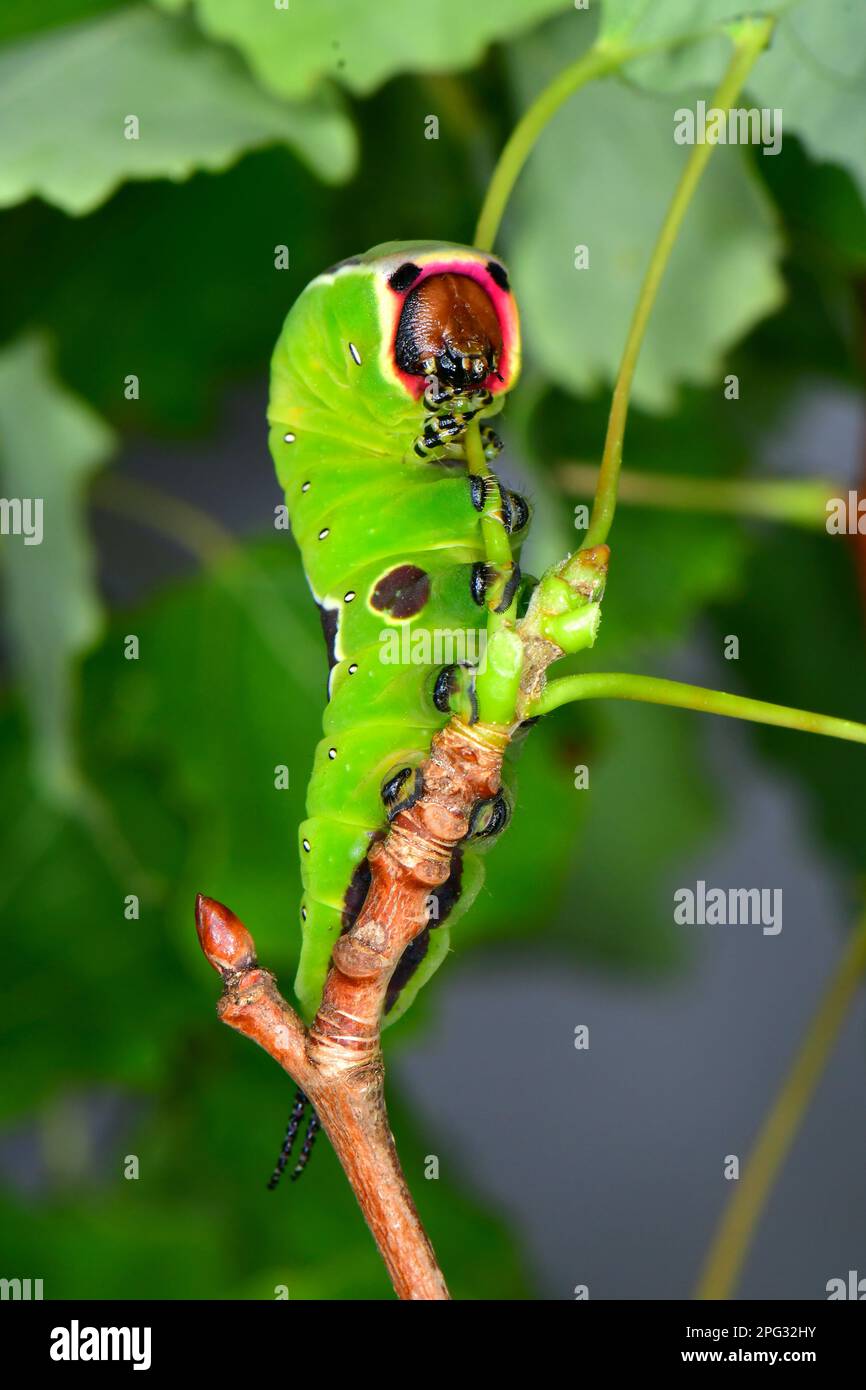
449	328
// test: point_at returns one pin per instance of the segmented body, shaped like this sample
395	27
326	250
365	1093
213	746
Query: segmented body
387	517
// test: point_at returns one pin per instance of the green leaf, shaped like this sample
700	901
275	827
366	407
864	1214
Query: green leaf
51	443
694	30
66	97
602	177
198	1222
209	246
800	622
291	48
815	73
19	17
649	803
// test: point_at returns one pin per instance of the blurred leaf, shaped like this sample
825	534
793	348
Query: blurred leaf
609	193
815	72
828	229
18	17
51	443
801	631
209	247
665	567
649	803
293	47
634	22
198	1222
66	95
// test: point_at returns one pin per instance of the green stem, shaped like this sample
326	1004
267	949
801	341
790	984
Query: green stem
796	501
597	62
751	38
736	1229
654	691
602	60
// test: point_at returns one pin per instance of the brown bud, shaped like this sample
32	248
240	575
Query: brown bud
224	939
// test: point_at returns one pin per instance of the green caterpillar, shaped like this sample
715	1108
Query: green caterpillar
382	366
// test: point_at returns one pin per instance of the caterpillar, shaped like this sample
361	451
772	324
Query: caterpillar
383	366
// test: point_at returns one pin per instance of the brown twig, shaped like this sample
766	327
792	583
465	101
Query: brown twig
337	1062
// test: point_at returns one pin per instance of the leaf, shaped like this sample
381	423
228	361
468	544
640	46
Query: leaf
815	73
209	247
198	1222
51	443
813	70
66	96
19	17
206	300
704	50
602	177
649	803
801	632
294	46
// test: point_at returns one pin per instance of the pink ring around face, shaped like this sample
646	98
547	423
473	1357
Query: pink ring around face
503	304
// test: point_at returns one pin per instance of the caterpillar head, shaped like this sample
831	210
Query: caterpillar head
449	329
449	315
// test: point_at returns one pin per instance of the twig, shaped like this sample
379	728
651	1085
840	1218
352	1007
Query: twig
797	501
337	1062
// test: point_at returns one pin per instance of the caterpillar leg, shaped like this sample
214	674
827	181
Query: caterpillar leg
294	1124
491	441
309	1140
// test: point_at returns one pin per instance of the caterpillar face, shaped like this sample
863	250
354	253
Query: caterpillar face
452	316
449	328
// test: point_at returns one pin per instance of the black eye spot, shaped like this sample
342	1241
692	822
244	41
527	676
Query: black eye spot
498	274
402	592
404	276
